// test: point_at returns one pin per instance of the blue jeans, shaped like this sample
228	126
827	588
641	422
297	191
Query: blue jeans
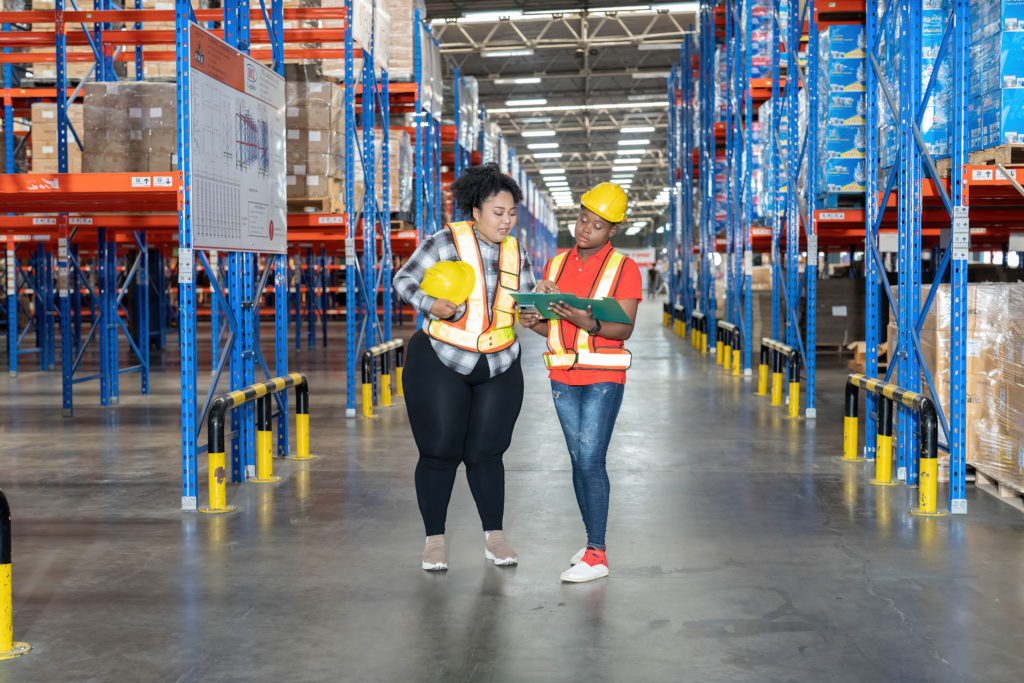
587	414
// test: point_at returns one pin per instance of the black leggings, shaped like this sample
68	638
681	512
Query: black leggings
459	418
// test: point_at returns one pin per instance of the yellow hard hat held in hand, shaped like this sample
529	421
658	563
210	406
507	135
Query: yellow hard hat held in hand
608	201
451	280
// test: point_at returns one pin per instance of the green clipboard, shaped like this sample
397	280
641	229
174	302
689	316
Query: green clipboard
606	309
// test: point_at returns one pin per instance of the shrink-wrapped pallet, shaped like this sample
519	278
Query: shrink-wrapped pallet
130	127
44	138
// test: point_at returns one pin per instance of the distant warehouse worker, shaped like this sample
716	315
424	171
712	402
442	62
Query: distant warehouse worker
588	362
463	380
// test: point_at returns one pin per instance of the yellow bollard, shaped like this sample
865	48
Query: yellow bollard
850	438
883	461
399	389
216	478
385	390
264	443
736	361
719	346
762	380
8	648
794	399
302	427
368	400
928	477
776	388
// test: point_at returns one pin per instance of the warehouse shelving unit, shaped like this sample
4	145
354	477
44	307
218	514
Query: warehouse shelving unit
427	154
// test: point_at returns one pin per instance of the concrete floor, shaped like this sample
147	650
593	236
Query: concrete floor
740	549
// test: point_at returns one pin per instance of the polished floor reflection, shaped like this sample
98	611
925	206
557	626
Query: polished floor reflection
740	548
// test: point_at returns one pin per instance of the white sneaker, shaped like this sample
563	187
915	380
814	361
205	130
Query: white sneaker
434	556
497	550
575	559
594	565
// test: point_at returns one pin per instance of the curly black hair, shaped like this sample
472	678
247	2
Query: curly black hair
477	184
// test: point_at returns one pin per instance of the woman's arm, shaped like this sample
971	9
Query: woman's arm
583	319
407	282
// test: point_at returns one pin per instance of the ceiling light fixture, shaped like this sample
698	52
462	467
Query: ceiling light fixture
552	171
514	52
536	119
641	75
582	107
623	168
517	81
637	129
547	155
646	47
538	133
543	145
526	103
484	17
634	143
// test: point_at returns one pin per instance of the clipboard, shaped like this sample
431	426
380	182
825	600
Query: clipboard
605	310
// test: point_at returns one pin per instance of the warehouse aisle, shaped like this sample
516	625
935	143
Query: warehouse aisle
740	550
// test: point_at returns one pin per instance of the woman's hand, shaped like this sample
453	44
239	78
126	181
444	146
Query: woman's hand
579	317
443	309
529	317
547	287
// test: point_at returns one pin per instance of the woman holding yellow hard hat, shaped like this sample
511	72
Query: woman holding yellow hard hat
463	381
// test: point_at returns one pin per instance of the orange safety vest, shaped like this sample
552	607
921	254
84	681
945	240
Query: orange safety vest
480	329
585	354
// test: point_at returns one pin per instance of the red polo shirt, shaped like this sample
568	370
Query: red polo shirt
580	278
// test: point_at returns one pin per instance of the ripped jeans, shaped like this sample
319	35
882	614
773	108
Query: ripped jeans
587	413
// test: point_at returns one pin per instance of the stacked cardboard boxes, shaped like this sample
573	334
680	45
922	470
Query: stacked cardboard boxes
130	126
315	122
44	138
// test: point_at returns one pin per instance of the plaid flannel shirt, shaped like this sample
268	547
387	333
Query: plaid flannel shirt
441	247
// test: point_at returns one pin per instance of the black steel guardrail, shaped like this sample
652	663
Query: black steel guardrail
384	353
776	355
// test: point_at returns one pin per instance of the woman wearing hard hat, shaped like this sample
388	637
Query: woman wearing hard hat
462	377
587	362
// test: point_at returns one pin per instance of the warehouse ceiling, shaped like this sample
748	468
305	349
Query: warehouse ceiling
594	78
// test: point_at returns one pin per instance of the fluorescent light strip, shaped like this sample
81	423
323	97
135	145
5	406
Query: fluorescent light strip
552	171
547	155
634	143
518	52
538	133
637	129
517	81
526	103
624	168
581	107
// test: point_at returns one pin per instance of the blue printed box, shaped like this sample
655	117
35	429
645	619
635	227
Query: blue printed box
1003	116
844	75
1006	15
843	142
843	41
844	175
997	62
843	108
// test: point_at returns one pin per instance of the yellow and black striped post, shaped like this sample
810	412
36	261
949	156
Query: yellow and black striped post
264	442
217	470
667	318
399	366
850	419
737	348
719	346
763	370
8	648
302	425
776	378
385	379
883	445
368	384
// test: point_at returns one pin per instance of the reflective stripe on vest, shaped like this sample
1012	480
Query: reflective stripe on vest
584	355
480	329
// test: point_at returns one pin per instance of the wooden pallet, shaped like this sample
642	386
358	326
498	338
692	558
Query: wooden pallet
994	484
841	200
313	205
1007	155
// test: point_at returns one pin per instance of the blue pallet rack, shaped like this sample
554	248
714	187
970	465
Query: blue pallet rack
427	155
680	181
905	178
705	299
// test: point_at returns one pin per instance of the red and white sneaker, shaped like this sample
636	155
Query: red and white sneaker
594	565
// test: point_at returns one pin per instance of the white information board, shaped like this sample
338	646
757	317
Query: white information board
237	109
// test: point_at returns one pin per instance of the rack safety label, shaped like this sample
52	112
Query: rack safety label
812	245
142	181
43	220
330	220
163	181
961	240
80	220
982	174
832	216
62	249
184	266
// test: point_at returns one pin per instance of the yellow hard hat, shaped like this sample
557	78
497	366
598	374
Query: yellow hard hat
608	201
451	280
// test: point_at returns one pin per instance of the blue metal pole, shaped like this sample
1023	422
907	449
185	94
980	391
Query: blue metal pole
960	244
351	277
385	265
871	270
748	196
215	315
810	225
